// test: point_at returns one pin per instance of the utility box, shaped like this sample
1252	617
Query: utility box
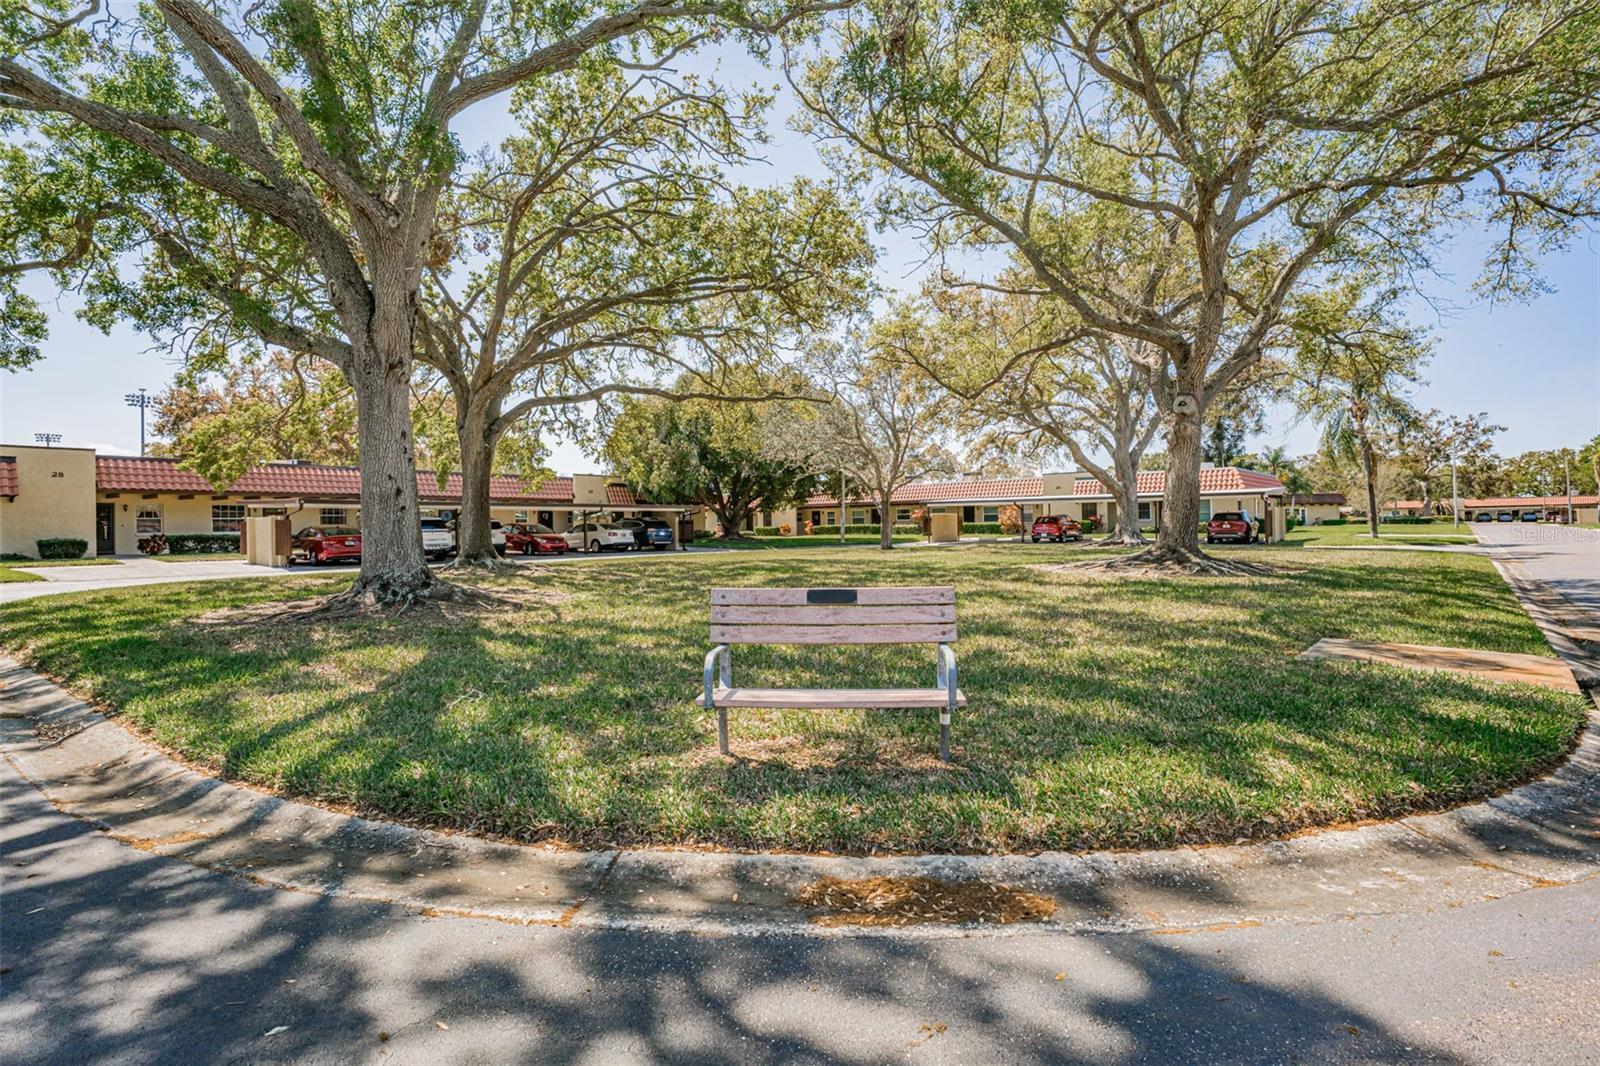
266	540
944	528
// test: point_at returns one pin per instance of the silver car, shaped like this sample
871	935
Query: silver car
598	537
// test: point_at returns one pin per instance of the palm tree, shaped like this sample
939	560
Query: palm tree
1353	362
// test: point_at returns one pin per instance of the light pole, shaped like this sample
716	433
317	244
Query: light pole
1455	492
46	439
142	402
1566	458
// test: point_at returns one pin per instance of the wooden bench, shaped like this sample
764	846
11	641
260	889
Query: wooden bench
925	615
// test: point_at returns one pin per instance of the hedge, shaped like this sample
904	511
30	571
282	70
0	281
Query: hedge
61	547
981	527
202	543
899	527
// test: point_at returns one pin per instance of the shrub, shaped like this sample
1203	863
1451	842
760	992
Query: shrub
61	547
202	543
785	529
1406	520
154	544
1290	522
984	527
899	527
765	531
1010	519
1335	522
1090	523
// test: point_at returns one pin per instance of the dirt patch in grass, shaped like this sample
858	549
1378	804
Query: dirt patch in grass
902	901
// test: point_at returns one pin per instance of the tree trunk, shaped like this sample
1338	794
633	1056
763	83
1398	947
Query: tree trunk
474	539
1427	496
731	514
393	570
885	522
1370	466
1180	498
1126	530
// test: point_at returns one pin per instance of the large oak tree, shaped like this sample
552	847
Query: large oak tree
277	169
1256	147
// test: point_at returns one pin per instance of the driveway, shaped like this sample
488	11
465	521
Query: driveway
1566	559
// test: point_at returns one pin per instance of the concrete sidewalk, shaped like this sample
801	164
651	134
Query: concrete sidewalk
127	573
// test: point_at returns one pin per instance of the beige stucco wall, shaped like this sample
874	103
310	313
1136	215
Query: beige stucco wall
55	498
1315	512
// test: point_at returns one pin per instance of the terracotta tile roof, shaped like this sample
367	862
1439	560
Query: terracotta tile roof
119	474
1499	501
8	475
1221	479
617	496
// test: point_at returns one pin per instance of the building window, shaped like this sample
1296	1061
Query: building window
147	521
1205	510
816	518
227	517
520	516
902	514
858	518
991	514
1144	511
333	516
832	519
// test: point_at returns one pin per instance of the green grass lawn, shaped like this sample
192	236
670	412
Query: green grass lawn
37	563
8	573
1324	536
1104	712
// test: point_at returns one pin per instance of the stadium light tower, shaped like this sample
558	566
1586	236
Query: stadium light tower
143	402
46	439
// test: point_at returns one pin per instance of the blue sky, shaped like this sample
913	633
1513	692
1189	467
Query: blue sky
1534	367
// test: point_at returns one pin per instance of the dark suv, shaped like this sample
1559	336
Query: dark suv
1237	526
648	533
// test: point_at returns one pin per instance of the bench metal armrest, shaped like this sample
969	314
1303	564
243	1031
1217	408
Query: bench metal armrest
712	661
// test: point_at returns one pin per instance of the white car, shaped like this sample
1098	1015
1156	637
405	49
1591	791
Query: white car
598	537
438	539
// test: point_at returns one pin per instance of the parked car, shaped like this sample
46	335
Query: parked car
1056	527
530	538
325	544
599	537
1485	516
1505	516
649	533
438	539
1237	526
1530	516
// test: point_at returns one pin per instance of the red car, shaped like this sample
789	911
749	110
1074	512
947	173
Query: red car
1056	527
531	538
326	544
1236	526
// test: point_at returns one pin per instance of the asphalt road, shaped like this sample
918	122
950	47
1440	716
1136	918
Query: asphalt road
1568	560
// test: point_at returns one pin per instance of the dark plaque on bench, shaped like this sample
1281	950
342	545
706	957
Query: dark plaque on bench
830	595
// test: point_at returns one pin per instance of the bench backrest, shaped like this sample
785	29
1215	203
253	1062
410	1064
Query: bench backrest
915	615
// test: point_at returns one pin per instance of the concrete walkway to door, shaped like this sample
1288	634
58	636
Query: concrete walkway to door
125	573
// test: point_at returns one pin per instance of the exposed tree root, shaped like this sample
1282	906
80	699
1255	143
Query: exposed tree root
1168	561
480	564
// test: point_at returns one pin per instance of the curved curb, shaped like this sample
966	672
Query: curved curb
1542	835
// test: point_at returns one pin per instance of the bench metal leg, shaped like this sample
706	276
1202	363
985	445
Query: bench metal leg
719	663
947	681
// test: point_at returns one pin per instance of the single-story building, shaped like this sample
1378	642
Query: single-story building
114	501
1314	508
1585	509
1075	494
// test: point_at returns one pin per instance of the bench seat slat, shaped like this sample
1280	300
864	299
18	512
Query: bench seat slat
905	633
870	615
832	698
871	596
